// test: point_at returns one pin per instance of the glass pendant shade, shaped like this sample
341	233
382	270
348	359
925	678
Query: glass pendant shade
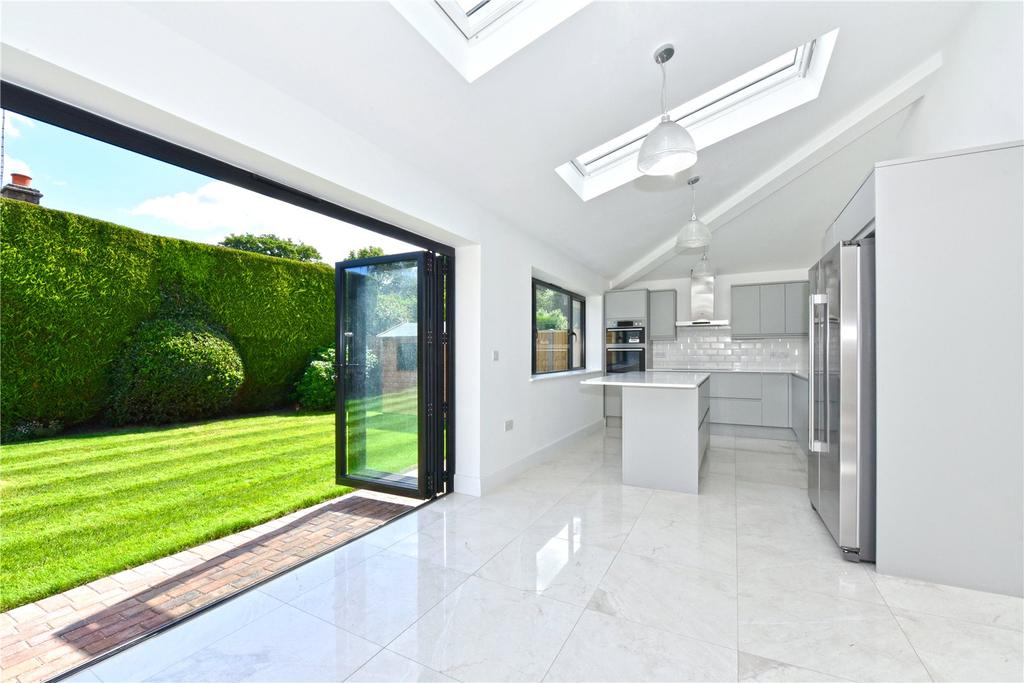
694	235
667	150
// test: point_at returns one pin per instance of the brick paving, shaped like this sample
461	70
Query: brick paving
45	638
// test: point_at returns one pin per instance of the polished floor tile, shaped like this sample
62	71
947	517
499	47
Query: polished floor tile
157	653
559	568
485	631
954	651
587	524
352	600
754	668
682	600
603	648
840	637
987	609
683	542
564	574
285	645
390	667
461	541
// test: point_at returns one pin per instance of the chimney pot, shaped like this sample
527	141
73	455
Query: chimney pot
21	179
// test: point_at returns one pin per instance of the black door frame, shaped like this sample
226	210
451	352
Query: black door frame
40	107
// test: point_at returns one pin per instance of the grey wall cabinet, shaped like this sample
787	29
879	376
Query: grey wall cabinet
773	309
746	310
796	307
769	310
662	323
775	400
625	304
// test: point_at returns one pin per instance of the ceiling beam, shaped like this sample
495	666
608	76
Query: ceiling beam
897	96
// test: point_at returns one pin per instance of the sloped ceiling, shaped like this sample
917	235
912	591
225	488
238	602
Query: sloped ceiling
499	138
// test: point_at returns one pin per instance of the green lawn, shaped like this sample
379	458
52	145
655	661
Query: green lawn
79	507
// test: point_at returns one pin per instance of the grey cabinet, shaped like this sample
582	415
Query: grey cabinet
745	318
796	307
736	411
755	399
736	385
769	310
775	400
625	304
661	325
773	309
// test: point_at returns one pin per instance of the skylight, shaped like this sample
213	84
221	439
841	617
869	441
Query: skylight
477	35
779	85
473	16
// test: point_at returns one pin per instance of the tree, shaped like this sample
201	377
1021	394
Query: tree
272	245
365	252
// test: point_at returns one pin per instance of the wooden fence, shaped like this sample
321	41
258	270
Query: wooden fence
552	350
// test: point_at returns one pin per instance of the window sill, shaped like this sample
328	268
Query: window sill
561	375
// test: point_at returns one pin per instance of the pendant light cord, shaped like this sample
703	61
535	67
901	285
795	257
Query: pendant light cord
693	201
664	86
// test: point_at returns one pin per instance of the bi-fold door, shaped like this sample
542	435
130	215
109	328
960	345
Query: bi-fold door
393	362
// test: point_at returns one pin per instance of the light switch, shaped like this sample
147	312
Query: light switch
508	423
494	354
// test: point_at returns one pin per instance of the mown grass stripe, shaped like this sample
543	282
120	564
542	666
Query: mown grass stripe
66	530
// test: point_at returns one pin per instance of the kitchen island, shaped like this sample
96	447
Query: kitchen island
665	427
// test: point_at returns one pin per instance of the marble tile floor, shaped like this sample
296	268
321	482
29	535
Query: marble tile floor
567	575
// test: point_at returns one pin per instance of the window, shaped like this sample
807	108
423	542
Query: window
473	16
559	324
791	79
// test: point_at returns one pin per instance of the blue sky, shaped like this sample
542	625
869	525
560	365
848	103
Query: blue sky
79	174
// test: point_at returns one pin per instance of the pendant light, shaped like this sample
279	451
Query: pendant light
694	234
668	148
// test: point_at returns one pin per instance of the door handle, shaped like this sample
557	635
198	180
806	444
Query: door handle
813	444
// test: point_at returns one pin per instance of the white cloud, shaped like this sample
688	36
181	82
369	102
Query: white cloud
12	165
12	122
222	208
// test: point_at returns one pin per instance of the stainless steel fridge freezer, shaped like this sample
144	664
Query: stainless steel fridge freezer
841	415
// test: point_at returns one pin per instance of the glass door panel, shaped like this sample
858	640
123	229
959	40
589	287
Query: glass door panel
381	357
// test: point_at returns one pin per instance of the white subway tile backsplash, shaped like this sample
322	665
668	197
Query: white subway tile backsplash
714	349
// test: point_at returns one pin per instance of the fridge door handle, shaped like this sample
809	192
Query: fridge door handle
813	444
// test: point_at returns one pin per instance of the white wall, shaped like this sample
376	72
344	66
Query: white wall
950	334
977	97
175	89
723	286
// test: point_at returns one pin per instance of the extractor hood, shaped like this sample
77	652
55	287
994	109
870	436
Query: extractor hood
702	302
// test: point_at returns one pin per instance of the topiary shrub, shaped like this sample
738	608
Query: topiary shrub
174	370
315	390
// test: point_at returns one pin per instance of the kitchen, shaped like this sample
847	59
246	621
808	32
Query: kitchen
792	357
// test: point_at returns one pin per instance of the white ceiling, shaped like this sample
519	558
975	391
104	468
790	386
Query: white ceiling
499	138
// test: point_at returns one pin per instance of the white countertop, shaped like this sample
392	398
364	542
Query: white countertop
654	379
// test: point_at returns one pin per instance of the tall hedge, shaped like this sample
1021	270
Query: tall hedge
73	289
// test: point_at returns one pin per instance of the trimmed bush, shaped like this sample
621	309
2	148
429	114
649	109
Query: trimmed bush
316	389
76	288
174	371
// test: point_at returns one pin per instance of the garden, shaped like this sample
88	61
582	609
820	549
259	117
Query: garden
157	393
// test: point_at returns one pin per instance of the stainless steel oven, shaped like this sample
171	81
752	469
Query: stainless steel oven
620	359
625	336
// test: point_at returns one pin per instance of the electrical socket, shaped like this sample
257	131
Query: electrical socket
508	425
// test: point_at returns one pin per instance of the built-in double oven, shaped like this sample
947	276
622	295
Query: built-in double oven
625	346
